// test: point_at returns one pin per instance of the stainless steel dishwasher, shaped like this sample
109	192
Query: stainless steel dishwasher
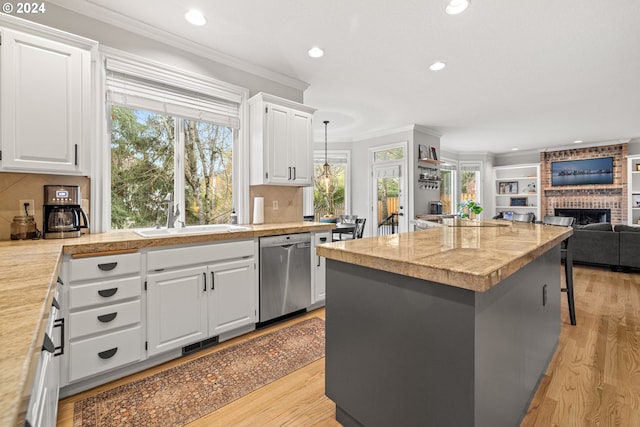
285	275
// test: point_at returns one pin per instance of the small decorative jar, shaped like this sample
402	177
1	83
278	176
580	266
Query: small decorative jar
23	228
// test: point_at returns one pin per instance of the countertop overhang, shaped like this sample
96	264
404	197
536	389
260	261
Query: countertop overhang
474	255
29	273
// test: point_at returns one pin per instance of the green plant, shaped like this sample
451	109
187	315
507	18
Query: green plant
466	207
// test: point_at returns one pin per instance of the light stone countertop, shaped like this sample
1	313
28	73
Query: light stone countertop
474	255
29	269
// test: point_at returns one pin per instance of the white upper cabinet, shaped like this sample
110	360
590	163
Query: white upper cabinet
281	141
45	108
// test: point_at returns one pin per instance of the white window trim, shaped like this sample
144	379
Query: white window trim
145	68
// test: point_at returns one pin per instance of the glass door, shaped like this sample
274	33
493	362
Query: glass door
388	194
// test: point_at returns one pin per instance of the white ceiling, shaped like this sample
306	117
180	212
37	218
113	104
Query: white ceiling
520	74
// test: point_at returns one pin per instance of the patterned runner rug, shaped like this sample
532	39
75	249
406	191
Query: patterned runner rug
187	392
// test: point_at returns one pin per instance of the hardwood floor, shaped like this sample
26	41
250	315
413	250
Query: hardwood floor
593	379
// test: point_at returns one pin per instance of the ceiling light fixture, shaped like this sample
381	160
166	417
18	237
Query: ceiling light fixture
514	149
325	178
195	17
578	141
437	66
316	52
455	7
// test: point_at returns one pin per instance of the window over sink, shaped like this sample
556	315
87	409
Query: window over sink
170	133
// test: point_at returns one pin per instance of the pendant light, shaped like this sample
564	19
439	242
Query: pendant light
326	175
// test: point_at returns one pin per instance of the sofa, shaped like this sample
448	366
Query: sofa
604	244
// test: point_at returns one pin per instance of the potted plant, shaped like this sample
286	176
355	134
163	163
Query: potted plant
469	209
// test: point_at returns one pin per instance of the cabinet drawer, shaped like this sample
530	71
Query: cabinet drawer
104	318
202	254
104	292
103	266
96	355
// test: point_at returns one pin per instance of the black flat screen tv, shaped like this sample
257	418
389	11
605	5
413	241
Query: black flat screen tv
582	172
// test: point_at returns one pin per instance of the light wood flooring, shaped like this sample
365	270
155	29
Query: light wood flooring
593	379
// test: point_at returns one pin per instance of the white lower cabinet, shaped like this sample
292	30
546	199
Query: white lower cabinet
319	268
176	309
42	409
191	304
104	316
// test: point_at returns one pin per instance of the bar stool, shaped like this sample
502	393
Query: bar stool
567	254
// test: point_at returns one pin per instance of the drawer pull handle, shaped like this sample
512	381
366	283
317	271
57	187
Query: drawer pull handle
106	318
107	266
48	344
108	354
107	292
59	323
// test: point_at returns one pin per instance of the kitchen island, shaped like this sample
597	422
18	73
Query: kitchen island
448	326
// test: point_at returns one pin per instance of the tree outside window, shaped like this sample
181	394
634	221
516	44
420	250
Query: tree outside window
143	168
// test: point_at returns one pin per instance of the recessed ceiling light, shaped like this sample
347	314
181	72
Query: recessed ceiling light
316	52
437	66
457	6
195	17
514	149
578	141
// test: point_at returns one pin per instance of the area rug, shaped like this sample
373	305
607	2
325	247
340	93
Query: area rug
189	391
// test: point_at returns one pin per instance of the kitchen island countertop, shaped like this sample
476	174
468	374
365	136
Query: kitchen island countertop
29	273
470	254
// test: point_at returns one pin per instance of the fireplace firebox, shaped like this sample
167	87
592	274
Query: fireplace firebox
586	216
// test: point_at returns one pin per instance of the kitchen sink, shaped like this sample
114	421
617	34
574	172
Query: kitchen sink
194	229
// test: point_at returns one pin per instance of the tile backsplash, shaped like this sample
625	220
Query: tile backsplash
27	186
288	200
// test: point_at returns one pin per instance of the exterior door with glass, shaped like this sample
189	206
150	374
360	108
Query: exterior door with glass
389	198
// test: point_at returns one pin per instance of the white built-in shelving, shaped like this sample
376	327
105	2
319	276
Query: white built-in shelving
633	180
517	188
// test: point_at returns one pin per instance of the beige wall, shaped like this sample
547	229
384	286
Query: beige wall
289	203
24	186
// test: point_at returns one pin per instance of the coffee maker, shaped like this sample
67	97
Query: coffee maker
63	214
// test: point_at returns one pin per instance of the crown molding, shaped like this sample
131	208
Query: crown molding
124	22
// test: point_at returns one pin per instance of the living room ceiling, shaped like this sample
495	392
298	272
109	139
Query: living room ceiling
519	74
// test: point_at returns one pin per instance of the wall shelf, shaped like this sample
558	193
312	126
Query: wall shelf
520	177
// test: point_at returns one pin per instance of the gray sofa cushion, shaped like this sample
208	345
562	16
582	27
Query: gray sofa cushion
596	246
630	228
629	245
596	226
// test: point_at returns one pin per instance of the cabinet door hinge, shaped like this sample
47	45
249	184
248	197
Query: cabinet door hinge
145	285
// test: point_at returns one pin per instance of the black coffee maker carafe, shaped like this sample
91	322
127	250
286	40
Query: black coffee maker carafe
63	214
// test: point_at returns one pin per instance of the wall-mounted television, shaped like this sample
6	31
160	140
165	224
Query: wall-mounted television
582	172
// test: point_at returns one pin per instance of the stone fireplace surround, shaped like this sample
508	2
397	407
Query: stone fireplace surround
612	197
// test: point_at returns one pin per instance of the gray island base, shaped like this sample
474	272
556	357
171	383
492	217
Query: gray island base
402	351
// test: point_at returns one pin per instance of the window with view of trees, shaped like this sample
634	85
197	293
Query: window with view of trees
175	133
146	148
470	180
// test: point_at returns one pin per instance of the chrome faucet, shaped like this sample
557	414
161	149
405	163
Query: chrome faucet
172	215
